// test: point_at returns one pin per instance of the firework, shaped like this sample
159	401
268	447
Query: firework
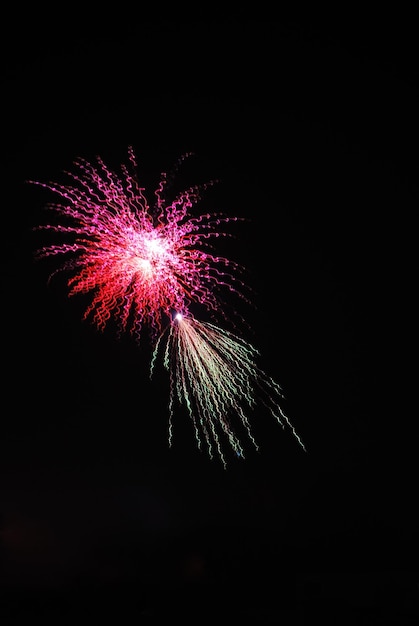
139	262
146	266
214	374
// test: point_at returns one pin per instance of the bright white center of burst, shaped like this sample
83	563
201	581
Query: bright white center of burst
155	246
151	254
178	317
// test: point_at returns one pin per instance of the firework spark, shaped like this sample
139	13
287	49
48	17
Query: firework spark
214	374
139	262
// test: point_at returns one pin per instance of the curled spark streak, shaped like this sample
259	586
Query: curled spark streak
140	263
214	374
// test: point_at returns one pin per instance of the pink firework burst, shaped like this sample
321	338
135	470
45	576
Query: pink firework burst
146	266
140	263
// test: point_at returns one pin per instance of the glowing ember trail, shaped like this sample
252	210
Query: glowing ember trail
146	267
214	374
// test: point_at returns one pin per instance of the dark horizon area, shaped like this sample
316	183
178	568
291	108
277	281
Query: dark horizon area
311	130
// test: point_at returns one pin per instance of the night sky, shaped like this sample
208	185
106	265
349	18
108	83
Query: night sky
311	129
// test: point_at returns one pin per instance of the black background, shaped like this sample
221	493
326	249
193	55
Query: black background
311	128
